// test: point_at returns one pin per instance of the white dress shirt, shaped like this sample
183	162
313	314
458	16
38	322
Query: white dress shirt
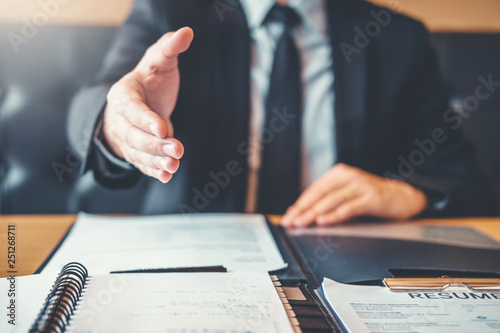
318	132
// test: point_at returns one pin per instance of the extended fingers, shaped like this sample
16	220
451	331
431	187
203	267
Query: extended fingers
137	113
155	157
137	139
159	167
164	163
161	175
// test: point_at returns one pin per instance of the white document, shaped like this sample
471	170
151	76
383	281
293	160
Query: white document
181	302
21	300
377	309
238	242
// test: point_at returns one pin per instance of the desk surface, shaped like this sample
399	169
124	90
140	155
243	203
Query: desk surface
37	235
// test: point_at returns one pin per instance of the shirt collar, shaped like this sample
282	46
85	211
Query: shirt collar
256	11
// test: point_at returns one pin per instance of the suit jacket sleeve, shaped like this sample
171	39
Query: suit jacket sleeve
140	30
438	159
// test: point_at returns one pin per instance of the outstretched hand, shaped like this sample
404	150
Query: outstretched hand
136	122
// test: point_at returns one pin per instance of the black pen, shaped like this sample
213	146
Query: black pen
205	269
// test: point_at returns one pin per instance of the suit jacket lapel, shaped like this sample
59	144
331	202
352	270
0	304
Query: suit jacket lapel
230	49
350	80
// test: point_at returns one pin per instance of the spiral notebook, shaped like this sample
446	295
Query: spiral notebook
142	302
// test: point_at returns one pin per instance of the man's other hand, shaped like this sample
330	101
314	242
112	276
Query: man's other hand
345	192
136	122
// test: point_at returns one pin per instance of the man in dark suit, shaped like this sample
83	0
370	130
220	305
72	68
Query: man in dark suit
323	109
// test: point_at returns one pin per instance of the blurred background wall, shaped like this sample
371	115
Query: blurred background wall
437	15
59	44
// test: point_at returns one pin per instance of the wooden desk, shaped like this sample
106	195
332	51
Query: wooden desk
37	235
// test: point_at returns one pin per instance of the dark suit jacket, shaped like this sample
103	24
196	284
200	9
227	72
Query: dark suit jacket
388	95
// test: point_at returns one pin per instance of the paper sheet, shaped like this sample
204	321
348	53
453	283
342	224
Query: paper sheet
28	293
181	302
102	244
377	309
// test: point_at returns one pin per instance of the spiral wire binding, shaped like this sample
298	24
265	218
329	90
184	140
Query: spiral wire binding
62	300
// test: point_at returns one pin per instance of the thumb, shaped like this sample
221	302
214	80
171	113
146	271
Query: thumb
173	44
162	56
